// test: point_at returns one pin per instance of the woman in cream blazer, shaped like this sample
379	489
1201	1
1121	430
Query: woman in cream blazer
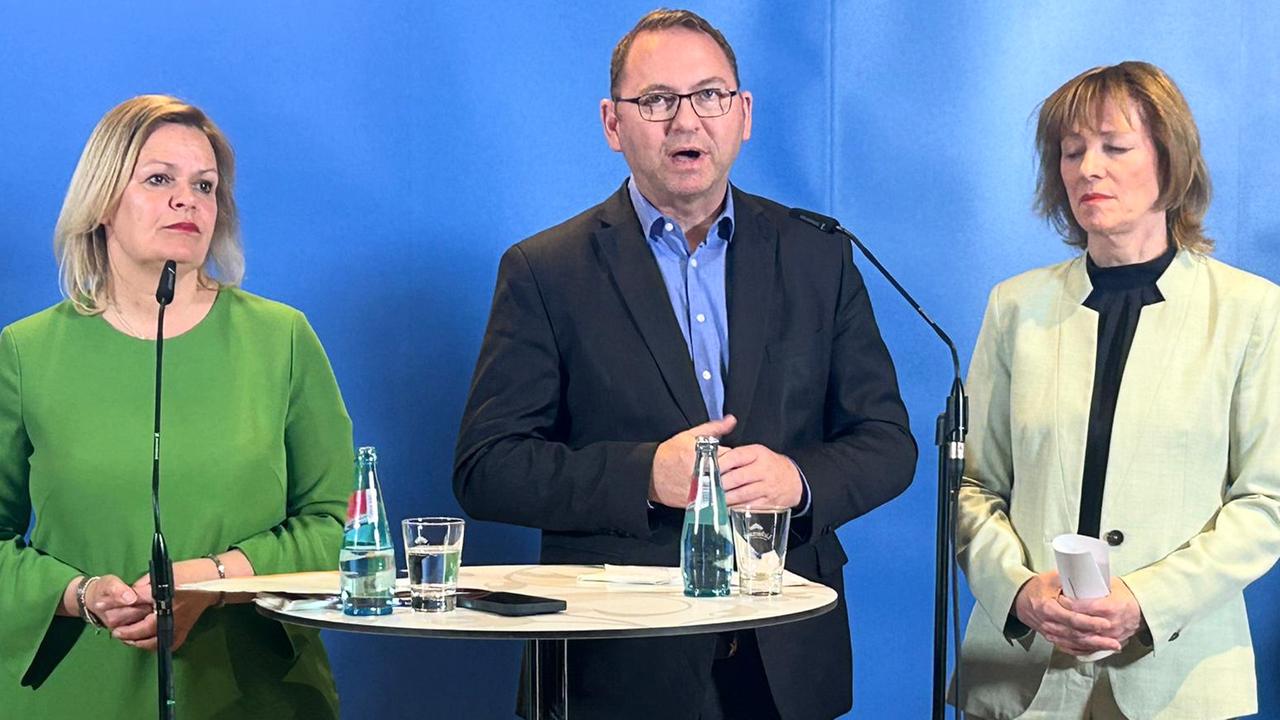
1134	391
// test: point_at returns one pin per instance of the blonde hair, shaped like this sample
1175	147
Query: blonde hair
99	180
1185	189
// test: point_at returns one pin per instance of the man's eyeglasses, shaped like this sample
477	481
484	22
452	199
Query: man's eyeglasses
662	106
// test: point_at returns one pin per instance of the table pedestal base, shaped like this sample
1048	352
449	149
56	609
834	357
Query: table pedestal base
547	688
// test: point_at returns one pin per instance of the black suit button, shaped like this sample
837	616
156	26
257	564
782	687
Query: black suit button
1173	637
1114	538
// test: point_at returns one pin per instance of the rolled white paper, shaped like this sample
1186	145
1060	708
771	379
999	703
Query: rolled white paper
1084	567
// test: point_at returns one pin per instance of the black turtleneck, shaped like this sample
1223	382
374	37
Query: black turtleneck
1119	294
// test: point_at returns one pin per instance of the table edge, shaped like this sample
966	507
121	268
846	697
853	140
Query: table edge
611	634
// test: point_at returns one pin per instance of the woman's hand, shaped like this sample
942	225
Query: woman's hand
187	606
1119	611
108	598
114	603
1039	605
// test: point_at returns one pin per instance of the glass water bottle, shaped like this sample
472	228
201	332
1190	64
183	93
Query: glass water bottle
367	562
706	548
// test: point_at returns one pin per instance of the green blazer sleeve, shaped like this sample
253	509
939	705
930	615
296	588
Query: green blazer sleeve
31	582
1241	543
318	450
988	548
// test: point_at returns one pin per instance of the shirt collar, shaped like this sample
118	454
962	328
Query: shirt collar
654	222
1134	275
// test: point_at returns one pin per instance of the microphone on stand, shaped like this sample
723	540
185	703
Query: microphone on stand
161	565
952	426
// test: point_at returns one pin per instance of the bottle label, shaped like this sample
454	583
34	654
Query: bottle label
362	507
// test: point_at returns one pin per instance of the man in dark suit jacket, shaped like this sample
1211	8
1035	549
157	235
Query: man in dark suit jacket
678	307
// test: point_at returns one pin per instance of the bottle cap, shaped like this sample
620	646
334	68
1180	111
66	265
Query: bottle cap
708	440
367	453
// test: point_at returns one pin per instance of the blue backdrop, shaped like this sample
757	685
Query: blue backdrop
389	152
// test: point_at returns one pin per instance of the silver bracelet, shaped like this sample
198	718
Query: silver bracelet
81	590
222	575
222	570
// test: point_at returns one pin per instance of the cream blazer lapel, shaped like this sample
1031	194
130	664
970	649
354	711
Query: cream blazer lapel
1152	358
1077	347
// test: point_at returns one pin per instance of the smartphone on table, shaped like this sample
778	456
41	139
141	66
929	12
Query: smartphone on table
508	603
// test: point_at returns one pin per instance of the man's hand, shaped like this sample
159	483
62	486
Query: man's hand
673	462
756	475
1040	606
1119	610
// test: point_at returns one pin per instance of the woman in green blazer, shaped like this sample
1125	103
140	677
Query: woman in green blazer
257	446
1133	394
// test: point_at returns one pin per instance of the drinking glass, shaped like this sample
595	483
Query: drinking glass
760	546
433	550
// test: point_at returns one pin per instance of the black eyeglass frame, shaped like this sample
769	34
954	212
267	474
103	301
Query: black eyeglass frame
680	98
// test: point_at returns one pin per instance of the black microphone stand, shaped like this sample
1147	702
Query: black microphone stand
161	565
949	435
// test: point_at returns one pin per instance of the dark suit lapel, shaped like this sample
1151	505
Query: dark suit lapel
752	265
635	273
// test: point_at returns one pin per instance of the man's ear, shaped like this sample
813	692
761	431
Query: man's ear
609	121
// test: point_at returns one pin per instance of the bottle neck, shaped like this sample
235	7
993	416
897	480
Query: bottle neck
706	478
366	516
367	474
707	460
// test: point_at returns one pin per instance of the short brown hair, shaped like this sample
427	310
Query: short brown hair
664	19
1185	189
109	157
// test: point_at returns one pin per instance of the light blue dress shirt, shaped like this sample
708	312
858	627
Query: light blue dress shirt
695	286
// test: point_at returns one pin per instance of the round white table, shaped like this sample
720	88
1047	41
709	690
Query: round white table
596	610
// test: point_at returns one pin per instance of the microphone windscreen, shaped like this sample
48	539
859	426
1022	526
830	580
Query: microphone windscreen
168	281
822	222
